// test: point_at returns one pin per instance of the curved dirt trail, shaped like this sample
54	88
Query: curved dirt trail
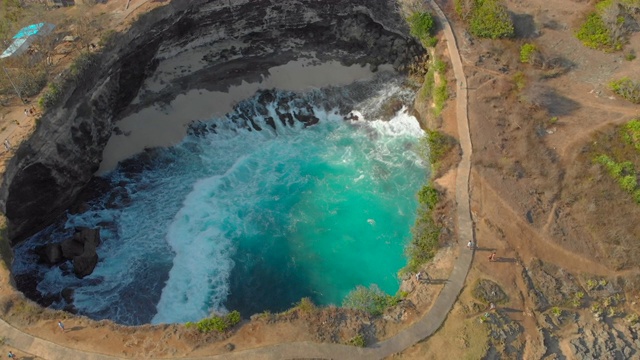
420	330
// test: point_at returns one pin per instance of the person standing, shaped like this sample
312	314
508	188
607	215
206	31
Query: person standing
11	355
61	326
470	244
492	257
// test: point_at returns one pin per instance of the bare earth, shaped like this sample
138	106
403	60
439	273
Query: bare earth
516	196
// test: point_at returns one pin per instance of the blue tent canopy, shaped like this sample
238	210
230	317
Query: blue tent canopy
25	37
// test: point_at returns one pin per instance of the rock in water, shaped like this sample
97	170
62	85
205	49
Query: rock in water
84	264
50	254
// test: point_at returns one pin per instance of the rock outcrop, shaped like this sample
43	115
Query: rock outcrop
236	39
81	249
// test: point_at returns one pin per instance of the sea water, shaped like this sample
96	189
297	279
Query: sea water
238	219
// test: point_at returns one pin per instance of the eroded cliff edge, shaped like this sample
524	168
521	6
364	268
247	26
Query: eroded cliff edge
236	39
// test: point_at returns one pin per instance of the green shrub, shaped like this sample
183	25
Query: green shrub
425	240
32	81
622	172
217	323
434	146
429	84
595	34
440	66
357	340
306	305
627	88
83	66
631	133
441	96
107	38
428	196
51	97
526	50
421	25
630	56
371	299
520	80
490	19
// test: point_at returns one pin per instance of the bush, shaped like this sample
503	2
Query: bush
441	96
440	66
217	323
526	50
595	34
421	25
425	240
627	88
357	340
631	133
622	172
520	80
490	19
306	305
428	196
32	81
82	67
51	97
435	145
371	299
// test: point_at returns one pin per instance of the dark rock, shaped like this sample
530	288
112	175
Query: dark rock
229	347
67	294
307	120
50	254
71	248
489	292
84	264
87	235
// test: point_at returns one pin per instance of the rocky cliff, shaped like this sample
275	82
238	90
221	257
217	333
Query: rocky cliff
235	39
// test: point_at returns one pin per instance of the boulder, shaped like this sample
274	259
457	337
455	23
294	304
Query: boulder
50	254
86	235
71	248
67	294
84	264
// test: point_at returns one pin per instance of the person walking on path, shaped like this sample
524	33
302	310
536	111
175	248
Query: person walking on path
61	326
492	257
470	245
11	355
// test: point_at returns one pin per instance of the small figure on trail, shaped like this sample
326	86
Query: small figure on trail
492	257
418	275
61	326
492	306
11	355
26	112
470	244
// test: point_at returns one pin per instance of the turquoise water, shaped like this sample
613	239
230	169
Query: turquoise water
251	220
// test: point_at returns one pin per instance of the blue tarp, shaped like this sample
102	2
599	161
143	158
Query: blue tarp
25	37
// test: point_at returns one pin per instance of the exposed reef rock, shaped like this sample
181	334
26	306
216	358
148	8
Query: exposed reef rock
80	249
236	40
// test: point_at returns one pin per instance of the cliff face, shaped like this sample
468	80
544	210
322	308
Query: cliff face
236	40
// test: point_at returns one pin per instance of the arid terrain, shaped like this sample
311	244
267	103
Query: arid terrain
566	283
